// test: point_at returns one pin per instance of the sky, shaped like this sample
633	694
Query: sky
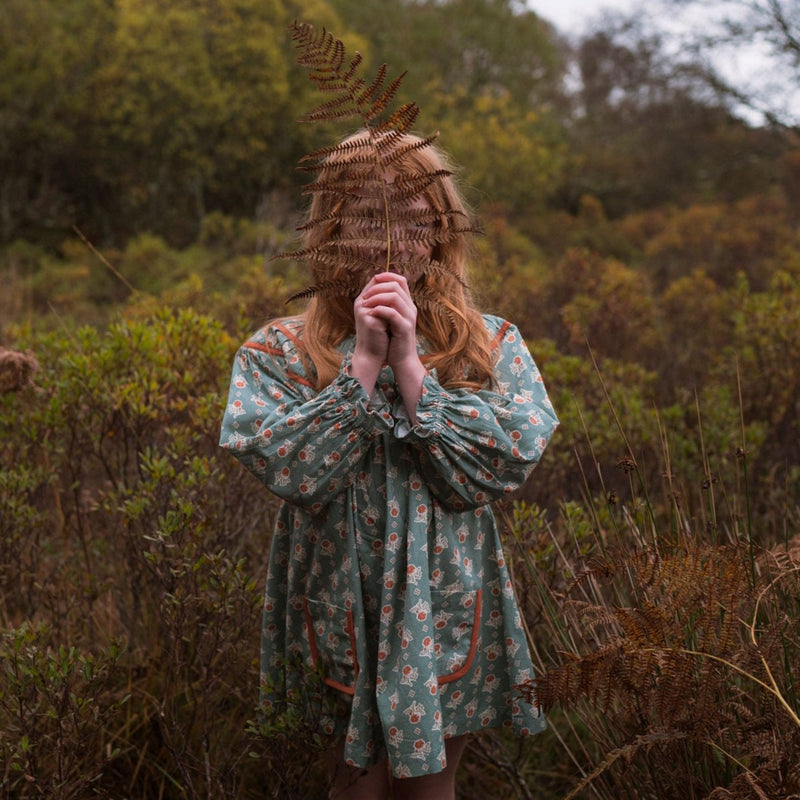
746	68
573	15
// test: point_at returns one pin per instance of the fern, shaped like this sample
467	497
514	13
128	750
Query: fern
367	181
681	669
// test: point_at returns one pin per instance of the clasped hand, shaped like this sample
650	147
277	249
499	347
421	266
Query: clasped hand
386	321
386	333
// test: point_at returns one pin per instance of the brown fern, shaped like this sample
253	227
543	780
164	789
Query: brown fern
366	180
675	669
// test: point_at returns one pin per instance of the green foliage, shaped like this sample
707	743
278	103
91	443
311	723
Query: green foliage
527	156
59	707
462	47
191	93
48	56
139	549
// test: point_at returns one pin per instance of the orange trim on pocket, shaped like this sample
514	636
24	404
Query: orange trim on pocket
473	644
312	644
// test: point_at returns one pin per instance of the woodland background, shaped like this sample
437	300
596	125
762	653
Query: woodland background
639	231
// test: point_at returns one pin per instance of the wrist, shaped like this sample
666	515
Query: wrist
365	367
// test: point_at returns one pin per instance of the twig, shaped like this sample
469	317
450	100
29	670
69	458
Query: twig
102	258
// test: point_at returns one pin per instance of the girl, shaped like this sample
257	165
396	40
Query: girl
387	426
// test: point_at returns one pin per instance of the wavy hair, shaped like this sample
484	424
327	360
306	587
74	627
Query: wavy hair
457	343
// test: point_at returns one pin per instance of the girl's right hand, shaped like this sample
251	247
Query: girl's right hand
372	330
372	342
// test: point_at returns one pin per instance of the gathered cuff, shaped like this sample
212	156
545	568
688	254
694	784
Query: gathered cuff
433	398
350	391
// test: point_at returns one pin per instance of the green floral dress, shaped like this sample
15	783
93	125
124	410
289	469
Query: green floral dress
386	571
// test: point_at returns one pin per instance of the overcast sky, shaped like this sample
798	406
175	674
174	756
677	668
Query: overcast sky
572	15
746	68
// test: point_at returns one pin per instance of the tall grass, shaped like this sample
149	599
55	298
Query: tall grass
668	639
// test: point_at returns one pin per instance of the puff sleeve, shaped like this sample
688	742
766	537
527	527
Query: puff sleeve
305	446
474	447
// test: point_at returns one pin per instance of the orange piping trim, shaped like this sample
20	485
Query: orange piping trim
312	644
473	645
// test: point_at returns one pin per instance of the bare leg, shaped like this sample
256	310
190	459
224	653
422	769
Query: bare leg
353	783
441	786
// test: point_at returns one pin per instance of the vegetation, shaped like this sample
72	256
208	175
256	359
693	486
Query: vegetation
642	236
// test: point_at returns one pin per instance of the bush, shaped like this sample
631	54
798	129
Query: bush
132	558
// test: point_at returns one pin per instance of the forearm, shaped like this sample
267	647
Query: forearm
365	369
409	376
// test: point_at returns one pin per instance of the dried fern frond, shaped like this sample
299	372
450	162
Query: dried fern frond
341	288
372	209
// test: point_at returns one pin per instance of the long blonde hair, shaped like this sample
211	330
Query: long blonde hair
460	348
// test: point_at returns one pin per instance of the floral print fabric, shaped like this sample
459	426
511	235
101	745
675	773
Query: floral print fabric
386	570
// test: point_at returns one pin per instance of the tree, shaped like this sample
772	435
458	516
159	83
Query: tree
466	46
648	132
49	50
766	343
193	95
763	33
605	304
121	116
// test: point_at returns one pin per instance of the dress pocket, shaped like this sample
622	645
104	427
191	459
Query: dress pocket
456	621
332	644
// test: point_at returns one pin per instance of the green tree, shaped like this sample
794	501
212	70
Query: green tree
192	95
49	51
692	349
766	346
463	46
510	156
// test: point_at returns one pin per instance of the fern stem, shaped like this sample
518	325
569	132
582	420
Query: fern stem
775	692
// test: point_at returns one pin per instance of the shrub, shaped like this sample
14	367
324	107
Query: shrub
132	553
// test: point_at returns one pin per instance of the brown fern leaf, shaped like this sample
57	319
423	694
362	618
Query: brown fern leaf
644	626
381	103
431	303
337	109
592	677
339	257
365	98
325	56
401	120
320	48
421	271
370	202
357	149
389	145
341	288
410	186
358	181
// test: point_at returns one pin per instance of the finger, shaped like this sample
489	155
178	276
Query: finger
397	302
387	279
387	289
